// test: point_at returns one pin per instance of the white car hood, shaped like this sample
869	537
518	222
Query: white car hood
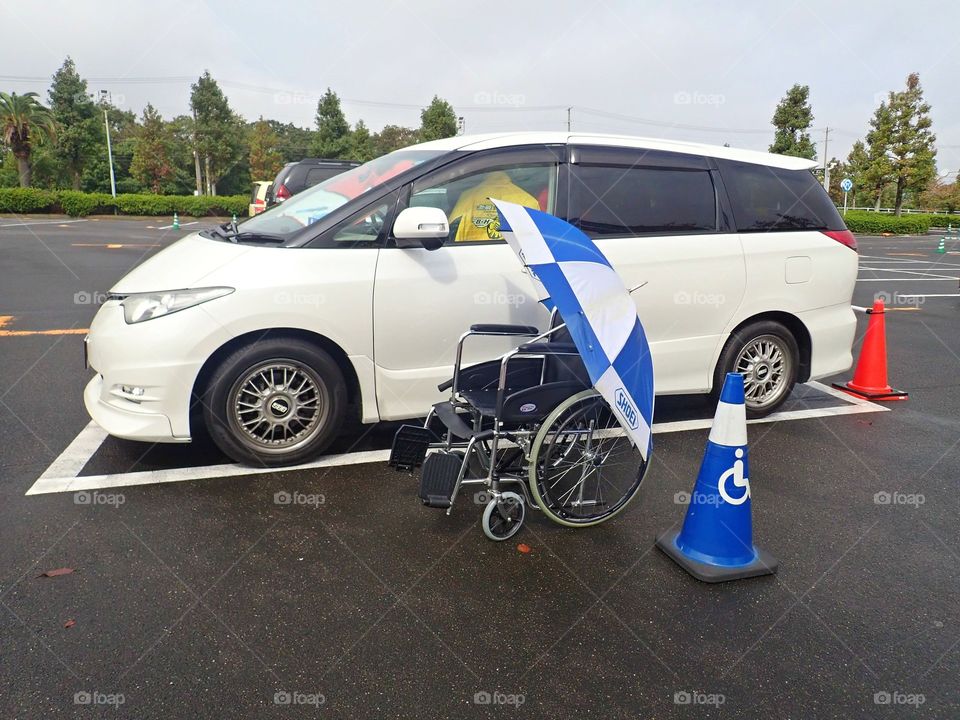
185	264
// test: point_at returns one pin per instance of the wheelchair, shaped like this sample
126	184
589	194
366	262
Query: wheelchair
530	430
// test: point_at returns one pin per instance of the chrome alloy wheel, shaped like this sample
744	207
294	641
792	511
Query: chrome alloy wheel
277	406
766	365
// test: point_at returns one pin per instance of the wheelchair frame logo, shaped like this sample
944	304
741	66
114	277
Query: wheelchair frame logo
626	408
736	472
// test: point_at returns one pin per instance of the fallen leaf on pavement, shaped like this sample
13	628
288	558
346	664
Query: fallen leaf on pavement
70	623
523	547
55	573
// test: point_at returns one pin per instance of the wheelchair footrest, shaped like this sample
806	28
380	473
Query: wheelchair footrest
439	476
410	447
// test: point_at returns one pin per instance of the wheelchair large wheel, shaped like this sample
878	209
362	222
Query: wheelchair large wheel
583	468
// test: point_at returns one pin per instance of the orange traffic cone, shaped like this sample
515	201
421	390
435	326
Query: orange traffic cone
870	377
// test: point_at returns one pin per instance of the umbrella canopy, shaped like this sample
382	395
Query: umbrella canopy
573	275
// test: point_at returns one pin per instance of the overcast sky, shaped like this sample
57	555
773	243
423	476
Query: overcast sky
703	71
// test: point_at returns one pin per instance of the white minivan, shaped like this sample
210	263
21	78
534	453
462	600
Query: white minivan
347	301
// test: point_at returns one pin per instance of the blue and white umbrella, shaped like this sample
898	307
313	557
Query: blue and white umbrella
572	274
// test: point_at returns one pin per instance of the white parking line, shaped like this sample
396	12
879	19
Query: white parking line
911	272
167	227
41	222
63	474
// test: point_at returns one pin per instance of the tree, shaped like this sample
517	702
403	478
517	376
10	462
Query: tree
217	133
79	133
333	130
792	120
393	137
911	147
361	143
294	143
437	120
24	125
151	154
265	159
878	172
856	167
941	196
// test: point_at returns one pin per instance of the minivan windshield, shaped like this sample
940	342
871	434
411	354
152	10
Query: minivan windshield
314	203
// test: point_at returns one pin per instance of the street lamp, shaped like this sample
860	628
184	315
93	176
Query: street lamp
104	99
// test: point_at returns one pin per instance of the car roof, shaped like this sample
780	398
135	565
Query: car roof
496	140
325	161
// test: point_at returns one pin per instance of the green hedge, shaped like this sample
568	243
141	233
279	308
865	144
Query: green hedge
79	204
941	220
27	200
872	223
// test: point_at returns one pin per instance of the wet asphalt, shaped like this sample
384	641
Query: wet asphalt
208	599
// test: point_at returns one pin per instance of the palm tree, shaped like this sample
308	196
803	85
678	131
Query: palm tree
24	124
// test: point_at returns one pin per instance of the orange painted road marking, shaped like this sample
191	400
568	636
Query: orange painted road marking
115	246
7	319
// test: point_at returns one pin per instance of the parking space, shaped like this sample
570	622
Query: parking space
202	584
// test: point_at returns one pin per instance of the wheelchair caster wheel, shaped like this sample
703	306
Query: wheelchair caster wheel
503	516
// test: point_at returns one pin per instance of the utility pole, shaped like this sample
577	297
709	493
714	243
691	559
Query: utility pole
104	96
196	156
826	161
568	118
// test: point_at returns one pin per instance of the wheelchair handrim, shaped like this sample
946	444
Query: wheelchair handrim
534	463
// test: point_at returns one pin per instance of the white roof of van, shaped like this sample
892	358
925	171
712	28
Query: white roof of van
497	140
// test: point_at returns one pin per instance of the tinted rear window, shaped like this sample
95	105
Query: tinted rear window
608	200
766	198
319	174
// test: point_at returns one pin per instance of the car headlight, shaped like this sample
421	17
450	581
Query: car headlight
139	307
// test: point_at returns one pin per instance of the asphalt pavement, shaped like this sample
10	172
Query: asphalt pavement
205	596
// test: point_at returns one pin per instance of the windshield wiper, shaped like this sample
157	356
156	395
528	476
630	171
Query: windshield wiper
229	232
258	237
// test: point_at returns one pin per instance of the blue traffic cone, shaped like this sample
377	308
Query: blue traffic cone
716	541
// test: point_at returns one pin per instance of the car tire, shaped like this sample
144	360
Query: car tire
767	355
279	401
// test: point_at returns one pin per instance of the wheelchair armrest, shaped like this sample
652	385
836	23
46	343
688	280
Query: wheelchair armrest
444	386
496	329
548	348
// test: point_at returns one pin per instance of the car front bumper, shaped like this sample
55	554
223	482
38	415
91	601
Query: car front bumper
145	372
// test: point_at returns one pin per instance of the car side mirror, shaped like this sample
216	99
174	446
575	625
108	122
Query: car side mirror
424	227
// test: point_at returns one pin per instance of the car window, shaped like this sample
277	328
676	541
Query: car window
365	227
619	201
765	198
319	174
465	198
313	204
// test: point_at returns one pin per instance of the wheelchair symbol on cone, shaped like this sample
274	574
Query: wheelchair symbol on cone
736	472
